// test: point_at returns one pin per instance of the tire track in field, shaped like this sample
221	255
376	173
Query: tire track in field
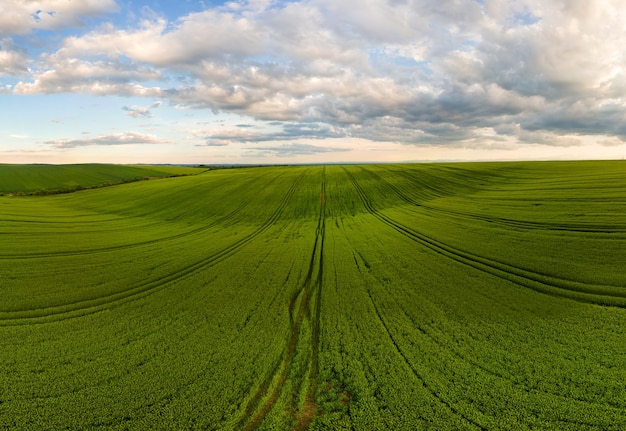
309	411
90	306
462	356
596	294
192	232
522	224
373	211
309	296
129	246
414	370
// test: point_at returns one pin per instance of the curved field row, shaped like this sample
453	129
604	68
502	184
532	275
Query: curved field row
101	225
416	297
506	222
600	294
94	305
48	179
113	248
305	304
593	242
445	343
301	298
418	375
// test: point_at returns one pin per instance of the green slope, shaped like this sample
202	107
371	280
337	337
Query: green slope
441	296
55	178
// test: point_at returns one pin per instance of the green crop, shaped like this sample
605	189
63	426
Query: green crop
52	179
422	296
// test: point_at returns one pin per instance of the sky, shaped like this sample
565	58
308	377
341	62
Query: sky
277	81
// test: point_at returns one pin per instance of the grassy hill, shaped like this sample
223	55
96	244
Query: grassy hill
45	179
439	296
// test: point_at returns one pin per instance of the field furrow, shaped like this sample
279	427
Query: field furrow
485	296
506	222
417	373
81	308
305	305
600	294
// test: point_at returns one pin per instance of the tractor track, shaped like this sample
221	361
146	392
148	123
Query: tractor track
518	224
447	346
305	304
193	232
597	294
418	375
90	306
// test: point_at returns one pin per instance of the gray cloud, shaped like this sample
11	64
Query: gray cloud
141	111
129	138
137	111
12	62
292	149
419	72
21	17
71	75
281	132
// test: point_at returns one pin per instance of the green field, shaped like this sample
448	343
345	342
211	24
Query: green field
50	179
478	296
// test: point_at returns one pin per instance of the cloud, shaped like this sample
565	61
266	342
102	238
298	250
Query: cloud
141	111
21	17
293	149
137	111
193	38
12	62
129	138
419	72
61	75
279	132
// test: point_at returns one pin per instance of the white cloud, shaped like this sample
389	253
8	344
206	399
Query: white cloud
293	149
193	38
61	75
137	111
581	27
612	142
278	131
415	71
23	16
12	62
141	111
128	138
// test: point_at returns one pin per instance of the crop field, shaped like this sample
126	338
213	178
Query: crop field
50	179
473	296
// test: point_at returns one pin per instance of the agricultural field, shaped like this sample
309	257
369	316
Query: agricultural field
473	296
50	179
